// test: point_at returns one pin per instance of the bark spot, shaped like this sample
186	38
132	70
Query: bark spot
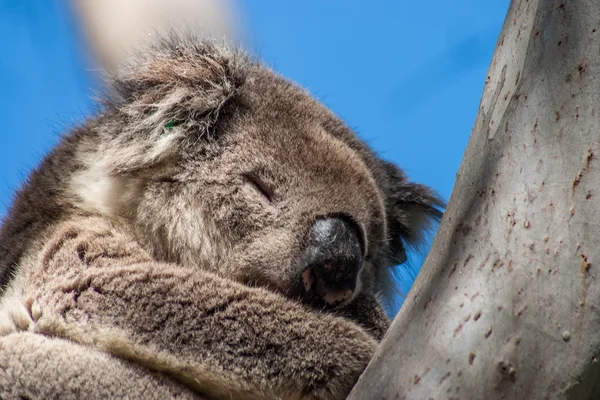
467	260
445	377
585	265
588	159
577	180
585	268
464	229
416	379
471	358
427	303
458	329
507	370
482	265
488	332
497	265
452	270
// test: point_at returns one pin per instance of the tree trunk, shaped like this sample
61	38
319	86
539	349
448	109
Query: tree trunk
507	305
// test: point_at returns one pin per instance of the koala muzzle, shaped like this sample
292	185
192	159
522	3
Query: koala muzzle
332	260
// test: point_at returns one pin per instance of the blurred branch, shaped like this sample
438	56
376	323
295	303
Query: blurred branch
113	27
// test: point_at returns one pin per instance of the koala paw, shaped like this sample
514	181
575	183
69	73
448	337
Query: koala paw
349	353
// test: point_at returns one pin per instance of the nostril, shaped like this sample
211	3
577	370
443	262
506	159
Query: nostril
314	283
308	279
335	276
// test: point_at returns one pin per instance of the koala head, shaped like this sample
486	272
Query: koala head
216	162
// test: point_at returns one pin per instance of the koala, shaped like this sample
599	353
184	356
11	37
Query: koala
213	225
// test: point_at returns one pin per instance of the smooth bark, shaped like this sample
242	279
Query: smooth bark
507	303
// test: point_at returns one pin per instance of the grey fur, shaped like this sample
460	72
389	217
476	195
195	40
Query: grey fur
144	234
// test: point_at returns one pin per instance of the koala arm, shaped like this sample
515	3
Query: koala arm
36	367
90	283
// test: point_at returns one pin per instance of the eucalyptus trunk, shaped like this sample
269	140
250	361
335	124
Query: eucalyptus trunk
507	305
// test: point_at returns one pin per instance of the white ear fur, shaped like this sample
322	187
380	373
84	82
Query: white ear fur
122	155
167	96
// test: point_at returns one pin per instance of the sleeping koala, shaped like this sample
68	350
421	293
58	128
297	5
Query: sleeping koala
213	225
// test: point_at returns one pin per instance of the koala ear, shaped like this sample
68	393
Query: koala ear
411	210
169	93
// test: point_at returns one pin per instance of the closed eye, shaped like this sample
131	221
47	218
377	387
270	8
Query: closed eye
261	186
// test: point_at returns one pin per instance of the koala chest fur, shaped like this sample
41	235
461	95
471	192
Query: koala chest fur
215	224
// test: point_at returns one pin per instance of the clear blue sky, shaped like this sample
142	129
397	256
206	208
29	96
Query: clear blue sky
406	75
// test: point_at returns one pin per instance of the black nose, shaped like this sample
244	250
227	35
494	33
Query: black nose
332	259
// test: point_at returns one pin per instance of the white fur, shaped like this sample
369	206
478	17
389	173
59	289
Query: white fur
95	188
14	313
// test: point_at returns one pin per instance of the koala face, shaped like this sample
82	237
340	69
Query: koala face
218	163
276	176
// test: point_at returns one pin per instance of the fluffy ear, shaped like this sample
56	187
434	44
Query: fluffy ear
169	93
411	210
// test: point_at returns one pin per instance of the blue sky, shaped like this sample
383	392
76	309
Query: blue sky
406	75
